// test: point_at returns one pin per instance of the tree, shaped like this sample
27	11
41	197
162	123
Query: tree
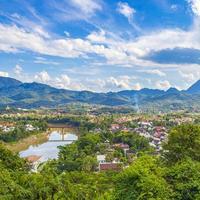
89	163
143	180
12	161
184	179
136	142
183	142
88	143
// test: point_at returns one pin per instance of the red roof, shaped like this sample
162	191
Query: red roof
33	158
110	166
121	145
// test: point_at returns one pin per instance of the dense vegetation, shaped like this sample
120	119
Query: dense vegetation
175	175
20	131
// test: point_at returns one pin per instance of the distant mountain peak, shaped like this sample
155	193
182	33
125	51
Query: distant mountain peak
172	90
6	82
195	88
34	95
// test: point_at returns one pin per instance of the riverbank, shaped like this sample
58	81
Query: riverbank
37	139
23	144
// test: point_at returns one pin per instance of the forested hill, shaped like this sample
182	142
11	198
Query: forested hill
34	95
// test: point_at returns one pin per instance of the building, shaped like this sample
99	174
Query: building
29	127
124	147
101	158
34	161
110	166
115	127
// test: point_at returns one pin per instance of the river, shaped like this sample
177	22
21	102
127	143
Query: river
48	149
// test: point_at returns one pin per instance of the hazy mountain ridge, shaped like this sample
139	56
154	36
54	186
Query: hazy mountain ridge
33	95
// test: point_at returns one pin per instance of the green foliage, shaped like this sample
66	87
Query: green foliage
183	142
143	180
88	143
80	155
11	161
73	176
184	179
136	142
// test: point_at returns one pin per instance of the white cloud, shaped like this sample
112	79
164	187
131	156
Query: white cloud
63	81
126	10
67	33
195	5
4	74
42	77
18	70
41	60
116	52
28	25
88	6
13	39
190	75
127	53
163	85
137	86
97	36
115	83
174	7
154	72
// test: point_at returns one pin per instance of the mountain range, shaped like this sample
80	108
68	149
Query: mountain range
34	95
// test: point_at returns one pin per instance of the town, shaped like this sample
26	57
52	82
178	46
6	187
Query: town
122	136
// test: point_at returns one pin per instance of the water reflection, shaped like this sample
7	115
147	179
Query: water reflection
48	149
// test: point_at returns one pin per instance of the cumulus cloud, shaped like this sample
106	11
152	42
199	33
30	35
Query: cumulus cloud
17	39
190	75
195	5
63	81
116	52
137	86
97	36
18	70
115	83
4	74
42	77
187	76
163	85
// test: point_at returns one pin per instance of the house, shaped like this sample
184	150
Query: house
110	166
121	146
8	129
29	127
101	158
115	127
124	147
145	124
34	161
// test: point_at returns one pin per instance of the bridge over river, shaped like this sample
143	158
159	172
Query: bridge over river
62	136
48	149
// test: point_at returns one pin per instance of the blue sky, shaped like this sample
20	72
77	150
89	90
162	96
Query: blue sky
101	45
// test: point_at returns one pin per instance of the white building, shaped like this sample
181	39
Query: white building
101	158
